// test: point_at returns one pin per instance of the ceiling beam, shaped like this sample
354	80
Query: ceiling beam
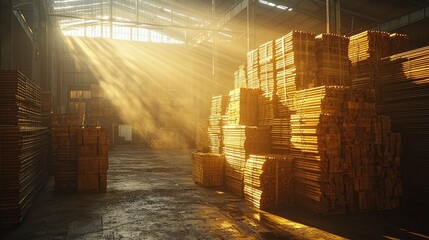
404	20
231	13
24	25
351	12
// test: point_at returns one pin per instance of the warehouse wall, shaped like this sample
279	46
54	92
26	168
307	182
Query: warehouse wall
151	85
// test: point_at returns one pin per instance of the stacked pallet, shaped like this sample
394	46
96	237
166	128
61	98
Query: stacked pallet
333	64
240	77
216	121
239	143
405	95
253	69
23	168
295	64
92	159
208	169
281	135
243	107
268	181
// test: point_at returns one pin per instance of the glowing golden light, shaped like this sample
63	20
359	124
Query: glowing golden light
143	83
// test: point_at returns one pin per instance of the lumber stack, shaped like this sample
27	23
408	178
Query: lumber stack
239	143
387	160
243	107
346	157
295	63
23	166
266	69
92	159
280	135
405	95
267	106
80	157
65	155
208	169
216	121
253	69
267	110
67	120
268	181
365	52
316	147
358	143
240	77
333	64
398	43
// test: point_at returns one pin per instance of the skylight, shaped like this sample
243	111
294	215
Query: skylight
279	6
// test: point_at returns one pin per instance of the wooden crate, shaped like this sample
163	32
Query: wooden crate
208	169
91	182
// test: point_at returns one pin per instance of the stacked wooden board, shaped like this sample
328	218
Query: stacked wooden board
65	154
253	69
80	158
280	135
267	100
398	43
92	160
239	143
240	77
216	121
365	52
23	167
266	69
346	157
267	110
405	98
243	107
333	64
268	181
208	169
295	63
316	147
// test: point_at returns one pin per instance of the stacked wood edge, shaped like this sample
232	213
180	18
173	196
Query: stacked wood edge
314	121
77	155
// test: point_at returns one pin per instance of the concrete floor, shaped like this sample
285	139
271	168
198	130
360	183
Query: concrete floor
151	195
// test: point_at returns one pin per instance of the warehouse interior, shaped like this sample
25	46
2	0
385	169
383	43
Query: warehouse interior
221	119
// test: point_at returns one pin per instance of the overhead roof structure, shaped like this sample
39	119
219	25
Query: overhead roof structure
179	21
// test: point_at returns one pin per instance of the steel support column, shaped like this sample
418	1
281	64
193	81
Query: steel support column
333	16
6	36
